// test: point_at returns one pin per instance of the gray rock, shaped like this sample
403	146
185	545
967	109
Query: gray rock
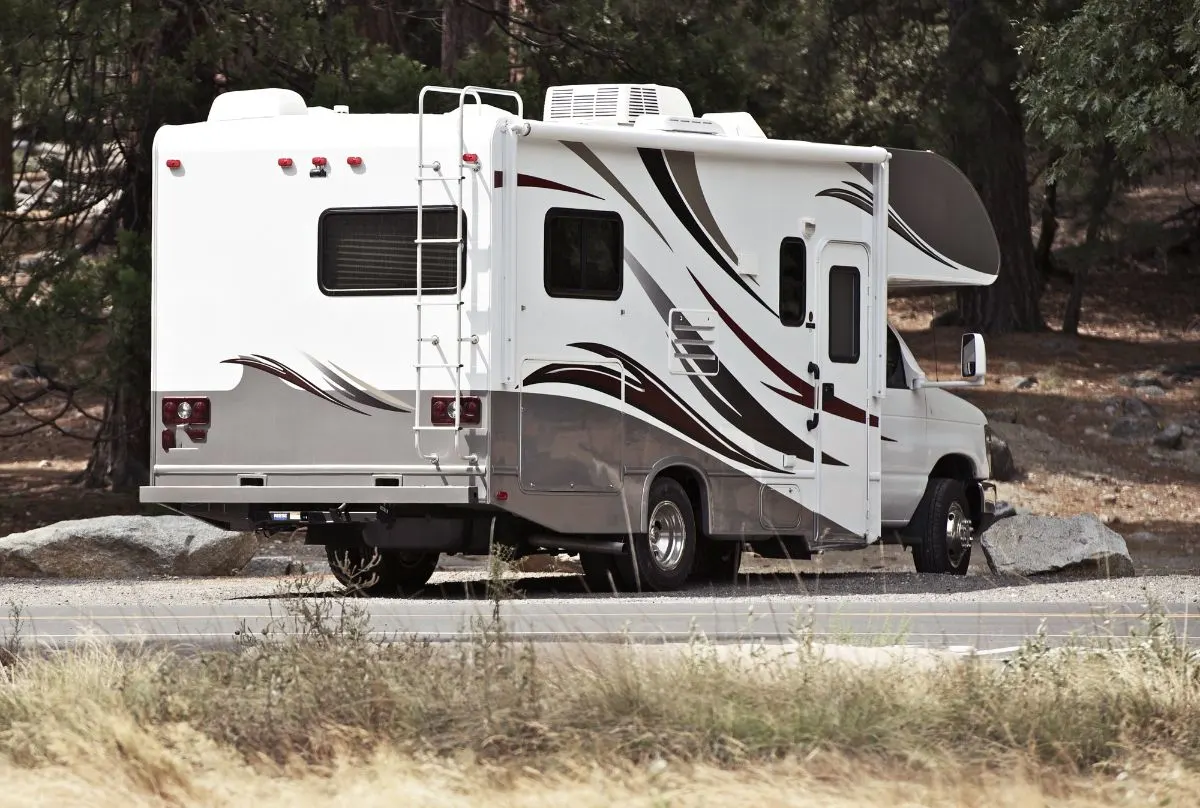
1152	391
1140	380
1020	382
273	566
1171	437
1000	458
1039	545
1131	406
125	547
1129	426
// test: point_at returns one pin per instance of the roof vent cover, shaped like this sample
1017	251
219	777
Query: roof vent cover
613	103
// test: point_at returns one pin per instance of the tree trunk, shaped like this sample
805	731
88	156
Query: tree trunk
121	454
462	27
8	199
987	141
1103	184
1044	253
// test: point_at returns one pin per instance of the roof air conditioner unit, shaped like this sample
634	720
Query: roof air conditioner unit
613	103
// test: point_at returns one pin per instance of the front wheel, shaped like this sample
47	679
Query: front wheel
660	559
946	531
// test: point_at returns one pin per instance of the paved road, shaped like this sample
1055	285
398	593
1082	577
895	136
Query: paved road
984	626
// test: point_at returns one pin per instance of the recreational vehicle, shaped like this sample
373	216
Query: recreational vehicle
618	329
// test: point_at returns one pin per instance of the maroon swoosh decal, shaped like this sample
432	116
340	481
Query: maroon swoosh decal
791	379
804	391
276	368
531	181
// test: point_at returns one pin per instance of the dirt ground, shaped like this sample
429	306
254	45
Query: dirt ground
1058	427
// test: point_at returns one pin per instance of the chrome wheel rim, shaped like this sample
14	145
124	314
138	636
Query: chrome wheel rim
958	533
667	535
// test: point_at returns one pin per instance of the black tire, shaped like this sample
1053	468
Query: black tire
717	562
944	506
599	572
367	570
664	565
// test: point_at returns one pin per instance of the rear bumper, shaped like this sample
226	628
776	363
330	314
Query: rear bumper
261	495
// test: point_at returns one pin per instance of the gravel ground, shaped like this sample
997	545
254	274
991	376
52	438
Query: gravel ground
782	587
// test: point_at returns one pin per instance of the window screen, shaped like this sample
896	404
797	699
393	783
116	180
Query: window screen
843	314
584	254
792	276
373	251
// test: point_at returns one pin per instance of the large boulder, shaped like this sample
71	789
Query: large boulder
1038	545
125	547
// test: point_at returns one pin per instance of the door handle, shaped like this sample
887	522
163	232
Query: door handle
826	392
814	370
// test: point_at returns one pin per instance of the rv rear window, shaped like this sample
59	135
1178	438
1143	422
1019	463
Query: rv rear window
584	254
373	251
843	314
792	272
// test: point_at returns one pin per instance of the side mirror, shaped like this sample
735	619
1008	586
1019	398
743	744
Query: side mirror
974	357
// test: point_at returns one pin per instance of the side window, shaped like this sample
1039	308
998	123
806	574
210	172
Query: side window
895	366
792	276
373	251
584	254
844	313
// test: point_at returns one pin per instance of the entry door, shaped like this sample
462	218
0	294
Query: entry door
843	393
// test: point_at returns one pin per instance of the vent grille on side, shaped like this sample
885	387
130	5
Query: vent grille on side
642	101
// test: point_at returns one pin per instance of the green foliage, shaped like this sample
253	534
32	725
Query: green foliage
1118	70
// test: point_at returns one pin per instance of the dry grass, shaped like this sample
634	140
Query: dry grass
332	714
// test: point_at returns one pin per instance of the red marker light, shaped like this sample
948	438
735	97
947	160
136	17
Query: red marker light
354	161
173	163
319	161
470	158
501	496
285	162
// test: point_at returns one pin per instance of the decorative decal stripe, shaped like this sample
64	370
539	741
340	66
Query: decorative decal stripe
649	396
282	371
656	165
596	164
791	379
531	181
363	394
864	203
804	394
731	400
687	179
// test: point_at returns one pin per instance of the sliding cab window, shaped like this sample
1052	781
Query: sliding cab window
373	251
792	276
844	314
584	254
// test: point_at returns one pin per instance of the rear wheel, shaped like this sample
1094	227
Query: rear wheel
661	559
368	570
945	529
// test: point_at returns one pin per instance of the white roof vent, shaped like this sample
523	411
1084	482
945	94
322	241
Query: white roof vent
613	103
678	123
268	103
740	124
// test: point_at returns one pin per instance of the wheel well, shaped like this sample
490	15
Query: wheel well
955	466
694	485
960	467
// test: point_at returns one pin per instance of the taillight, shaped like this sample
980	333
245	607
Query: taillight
168	439
441	410
190	410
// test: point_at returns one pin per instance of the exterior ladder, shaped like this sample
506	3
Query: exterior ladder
455	367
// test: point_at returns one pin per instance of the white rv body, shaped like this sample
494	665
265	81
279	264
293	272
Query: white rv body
644	294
